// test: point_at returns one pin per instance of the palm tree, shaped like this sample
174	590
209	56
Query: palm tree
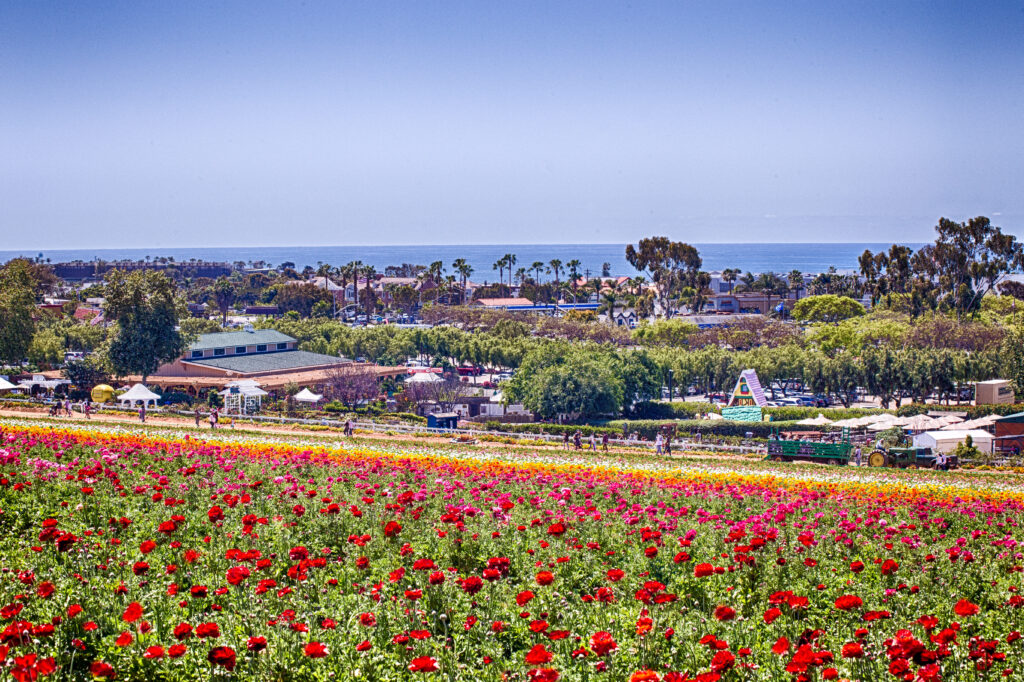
573	267
608	303
521	275
510	261
499	265
556	267
729	276
369	272
537	266
462	266
796	282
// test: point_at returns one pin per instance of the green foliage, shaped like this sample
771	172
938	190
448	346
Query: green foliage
17	306
146	309
827	308
47	348
1011	357
87	372
674	333
194	326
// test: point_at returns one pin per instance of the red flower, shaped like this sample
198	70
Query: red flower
849	601
177	650
154	652
182	631
857	566
545	578
208	630
966	608
392	529
124	639
771	614
615	574
725	613
602	643
132	613
364	646
101	669
781	646
542	675
889	567
315	650
472	584
215	514
222	655
556	528
236	574
367	620
722	661
538	655
256	644
644	676
853	650
524	597
423	664
703	570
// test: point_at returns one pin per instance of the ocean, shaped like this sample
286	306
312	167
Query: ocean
756	258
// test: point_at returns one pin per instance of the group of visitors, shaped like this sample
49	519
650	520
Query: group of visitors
577	441
214	417
65	407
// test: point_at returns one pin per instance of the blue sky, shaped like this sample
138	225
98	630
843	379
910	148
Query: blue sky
149	124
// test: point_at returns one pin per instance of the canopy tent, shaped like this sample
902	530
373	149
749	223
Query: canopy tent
852	422
979	423
41	381
883	425
306	396
242	396
424	378
820	420
138	394
884	417
5	385
948	419
921	422
713	416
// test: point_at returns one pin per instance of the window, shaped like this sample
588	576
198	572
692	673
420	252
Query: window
219	351
197	354
282	346
262	348
239	350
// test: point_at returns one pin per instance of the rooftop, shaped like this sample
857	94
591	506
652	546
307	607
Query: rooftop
242	338
270	362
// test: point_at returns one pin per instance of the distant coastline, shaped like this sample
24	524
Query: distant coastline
765	257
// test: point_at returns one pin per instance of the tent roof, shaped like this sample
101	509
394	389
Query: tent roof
307	396
958	434
820	420
5	385
138	392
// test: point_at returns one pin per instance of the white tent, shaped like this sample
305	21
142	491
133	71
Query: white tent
979	423
883	418
922	422
948	420
306	396
138	394
820	420
946	441
5	385
424	378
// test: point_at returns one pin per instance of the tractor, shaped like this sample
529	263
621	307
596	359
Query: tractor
906	457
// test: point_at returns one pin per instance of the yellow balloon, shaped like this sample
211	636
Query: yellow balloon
101	393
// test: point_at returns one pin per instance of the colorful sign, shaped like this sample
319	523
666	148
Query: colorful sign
748	391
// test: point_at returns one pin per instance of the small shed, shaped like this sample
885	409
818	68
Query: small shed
946	441
994	392
443	420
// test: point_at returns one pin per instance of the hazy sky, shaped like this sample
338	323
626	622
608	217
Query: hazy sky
220	123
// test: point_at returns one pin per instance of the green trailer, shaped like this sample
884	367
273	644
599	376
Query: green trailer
809	450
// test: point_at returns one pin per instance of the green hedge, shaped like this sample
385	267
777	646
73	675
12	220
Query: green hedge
649	428
680	410
973	411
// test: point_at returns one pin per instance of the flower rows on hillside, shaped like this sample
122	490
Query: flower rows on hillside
135	554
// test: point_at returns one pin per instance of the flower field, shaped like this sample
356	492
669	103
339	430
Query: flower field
147	554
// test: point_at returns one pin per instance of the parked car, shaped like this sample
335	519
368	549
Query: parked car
468	371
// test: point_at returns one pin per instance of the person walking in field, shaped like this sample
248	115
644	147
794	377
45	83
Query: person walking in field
657	444
565	440
87	408
67	407
213	419
856	455
577	440
593	443
604	442
142	413
196	415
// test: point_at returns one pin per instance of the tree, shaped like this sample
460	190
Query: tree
17	306
827	308
224	294
87	372
537	266
300	297
606	269
464	270
368	298
1011	357
556	267
967	260
510	262
445	394
145	307
672	265
350	384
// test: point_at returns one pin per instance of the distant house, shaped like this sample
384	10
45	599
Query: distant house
265	310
